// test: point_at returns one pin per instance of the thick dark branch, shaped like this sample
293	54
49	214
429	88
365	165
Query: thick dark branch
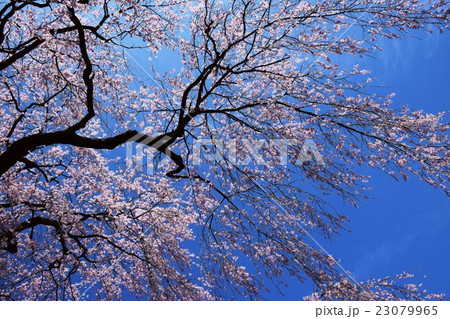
10	235
87	73
22	147
13	58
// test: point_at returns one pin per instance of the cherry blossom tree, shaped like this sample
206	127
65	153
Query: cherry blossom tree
77	221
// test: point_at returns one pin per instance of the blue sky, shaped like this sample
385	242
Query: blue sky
405	226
